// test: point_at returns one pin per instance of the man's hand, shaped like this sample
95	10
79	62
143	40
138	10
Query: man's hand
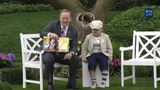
68	56
53	35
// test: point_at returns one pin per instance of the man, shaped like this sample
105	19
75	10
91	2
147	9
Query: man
62	28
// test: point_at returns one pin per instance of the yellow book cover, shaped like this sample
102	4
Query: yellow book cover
63	44
49	44
56	45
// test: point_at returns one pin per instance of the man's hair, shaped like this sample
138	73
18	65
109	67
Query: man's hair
65	10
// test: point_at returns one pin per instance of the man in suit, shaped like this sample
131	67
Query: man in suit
62	28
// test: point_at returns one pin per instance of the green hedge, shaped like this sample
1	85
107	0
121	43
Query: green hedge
13	8
25	1
12	74
117	5
5	86
120	29
88	3
121	5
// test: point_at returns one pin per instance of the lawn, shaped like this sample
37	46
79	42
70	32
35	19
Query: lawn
11	25
143	83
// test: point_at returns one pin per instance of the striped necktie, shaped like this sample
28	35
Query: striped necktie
62	31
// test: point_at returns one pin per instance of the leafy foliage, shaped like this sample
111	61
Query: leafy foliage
88	3
120	29
13	8
118	5
12	74
25	1
5	86
6	59
115	66
121	5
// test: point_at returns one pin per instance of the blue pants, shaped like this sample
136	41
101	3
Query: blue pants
97	58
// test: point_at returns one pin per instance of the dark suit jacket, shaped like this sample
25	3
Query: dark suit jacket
55	27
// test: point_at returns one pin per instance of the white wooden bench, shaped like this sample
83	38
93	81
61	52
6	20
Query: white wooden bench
144	53
32	58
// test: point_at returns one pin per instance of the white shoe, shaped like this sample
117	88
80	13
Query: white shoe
102	85
94	85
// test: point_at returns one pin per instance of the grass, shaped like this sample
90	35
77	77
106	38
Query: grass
13	24
143	83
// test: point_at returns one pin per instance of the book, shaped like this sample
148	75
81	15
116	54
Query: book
56	45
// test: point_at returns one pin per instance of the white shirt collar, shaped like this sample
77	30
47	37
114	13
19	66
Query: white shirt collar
66	28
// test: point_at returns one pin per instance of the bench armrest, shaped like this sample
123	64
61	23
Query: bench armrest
122	49
125	48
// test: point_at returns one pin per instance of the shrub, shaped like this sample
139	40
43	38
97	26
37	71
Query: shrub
13	8
88	3
121	5
12	74
5	86
25	1
115	66
120	28
6	59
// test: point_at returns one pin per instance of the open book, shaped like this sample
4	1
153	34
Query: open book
56	45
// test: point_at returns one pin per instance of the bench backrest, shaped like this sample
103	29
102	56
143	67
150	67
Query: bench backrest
144	42
30	42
